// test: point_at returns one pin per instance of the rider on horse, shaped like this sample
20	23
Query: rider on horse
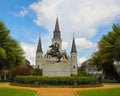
54	49
54	52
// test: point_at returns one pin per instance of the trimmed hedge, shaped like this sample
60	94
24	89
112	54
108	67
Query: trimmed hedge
40	80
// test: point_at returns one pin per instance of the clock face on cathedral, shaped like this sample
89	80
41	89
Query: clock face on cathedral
56	62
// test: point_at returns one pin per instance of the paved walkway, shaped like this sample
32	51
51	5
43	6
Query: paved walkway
57	91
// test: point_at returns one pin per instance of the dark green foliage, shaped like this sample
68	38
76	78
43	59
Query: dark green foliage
37	72
84	74
108	51
55	80
111	81
11	54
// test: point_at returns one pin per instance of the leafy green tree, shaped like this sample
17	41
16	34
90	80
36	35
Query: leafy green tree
11	53
96	60
108	51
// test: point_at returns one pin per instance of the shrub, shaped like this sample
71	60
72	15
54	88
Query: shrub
37	72
41	80
21	71
83	74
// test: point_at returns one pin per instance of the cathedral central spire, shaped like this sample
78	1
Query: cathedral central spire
57	25
57	33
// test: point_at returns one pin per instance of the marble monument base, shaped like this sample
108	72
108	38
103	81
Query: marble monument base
52	68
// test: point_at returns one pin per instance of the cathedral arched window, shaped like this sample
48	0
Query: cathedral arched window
38	66
74	57
38	57
74	67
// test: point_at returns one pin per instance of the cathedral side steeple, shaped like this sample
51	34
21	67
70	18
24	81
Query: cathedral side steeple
73	49
73	58
39	47
39	55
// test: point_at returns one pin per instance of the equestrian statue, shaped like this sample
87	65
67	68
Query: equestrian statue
54	52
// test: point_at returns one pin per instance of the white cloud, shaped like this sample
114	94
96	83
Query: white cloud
21	13
64	45
30	51
80	16
81	60
83	43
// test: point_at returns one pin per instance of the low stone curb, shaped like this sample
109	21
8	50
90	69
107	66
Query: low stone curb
37	93
75	93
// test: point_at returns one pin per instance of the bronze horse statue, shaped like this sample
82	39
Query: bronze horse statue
54	52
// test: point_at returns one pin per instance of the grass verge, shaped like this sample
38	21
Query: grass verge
16	92
100	92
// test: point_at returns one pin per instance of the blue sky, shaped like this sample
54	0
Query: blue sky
88	19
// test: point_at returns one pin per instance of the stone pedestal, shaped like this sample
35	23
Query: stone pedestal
52	68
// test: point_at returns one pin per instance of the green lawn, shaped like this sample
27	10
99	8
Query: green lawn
16	92
100	92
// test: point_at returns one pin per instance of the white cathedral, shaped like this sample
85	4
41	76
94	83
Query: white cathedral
49	64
